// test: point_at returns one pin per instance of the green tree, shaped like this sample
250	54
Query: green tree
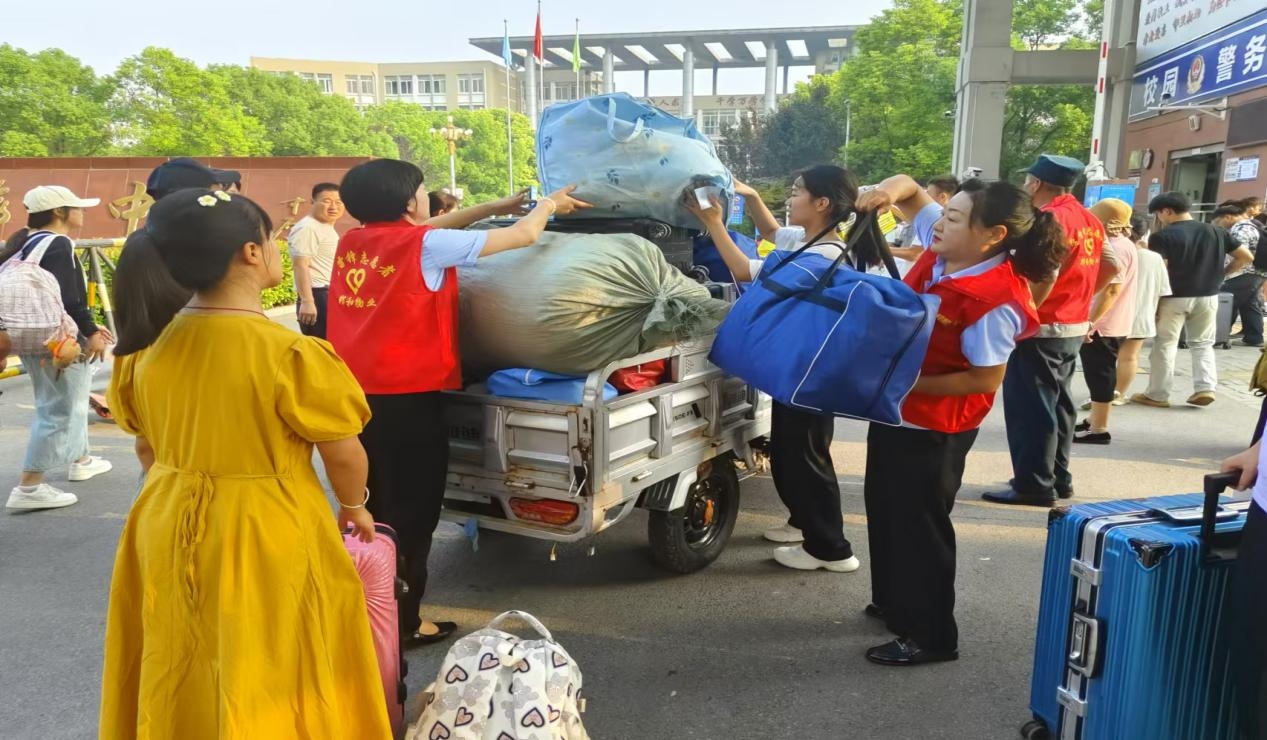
165	105
51	105
482	164
806	130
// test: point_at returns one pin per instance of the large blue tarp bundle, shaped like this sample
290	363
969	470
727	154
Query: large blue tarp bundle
630	159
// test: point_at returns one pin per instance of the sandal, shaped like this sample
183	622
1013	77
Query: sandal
444	630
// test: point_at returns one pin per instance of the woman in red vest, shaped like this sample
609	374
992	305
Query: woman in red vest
393	317
989	240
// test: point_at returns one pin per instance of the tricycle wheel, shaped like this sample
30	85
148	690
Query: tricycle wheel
688	539
1035	730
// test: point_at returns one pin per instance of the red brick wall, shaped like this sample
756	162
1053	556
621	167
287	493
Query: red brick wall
269	181
1170	133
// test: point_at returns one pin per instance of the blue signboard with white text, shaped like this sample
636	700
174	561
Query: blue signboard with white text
1226	62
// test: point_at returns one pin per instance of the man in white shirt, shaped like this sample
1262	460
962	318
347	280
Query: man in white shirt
313	242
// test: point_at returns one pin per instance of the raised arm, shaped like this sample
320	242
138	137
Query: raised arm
901	191
528	229
762	218
460	219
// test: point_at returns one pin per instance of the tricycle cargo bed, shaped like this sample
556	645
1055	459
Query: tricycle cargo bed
563	472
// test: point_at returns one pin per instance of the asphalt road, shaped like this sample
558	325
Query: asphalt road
744	649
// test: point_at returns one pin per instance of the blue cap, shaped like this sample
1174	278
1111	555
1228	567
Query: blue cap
1057	170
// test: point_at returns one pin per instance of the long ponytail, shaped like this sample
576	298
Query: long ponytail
840	187
187	244
1035	241
146	296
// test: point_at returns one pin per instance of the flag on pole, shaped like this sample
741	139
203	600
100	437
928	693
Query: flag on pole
506	57
576	49
538	47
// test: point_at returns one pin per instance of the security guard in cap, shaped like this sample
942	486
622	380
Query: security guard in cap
1037	404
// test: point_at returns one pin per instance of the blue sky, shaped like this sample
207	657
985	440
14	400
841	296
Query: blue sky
231	31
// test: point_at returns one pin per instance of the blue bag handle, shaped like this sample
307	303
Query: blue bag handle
861	225
611	124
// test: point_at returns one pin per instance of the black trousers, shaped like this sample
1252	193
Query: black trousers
1040	414
407	441
1247	302
800	461
913	476
320	297
1249	640
1099	366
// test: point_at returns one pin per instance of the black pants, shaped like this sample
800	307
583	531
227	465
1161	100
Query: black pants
1249	637
1262	423
1040	414
1247	302
913	476
320	297
800	461
407	441
1099	366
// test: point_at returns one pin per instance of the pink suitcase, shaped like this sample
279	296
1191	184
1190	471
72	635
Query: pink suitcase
378	565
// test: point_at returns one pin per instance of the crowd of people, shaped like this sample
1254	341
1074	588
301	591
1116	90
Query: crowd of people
233	600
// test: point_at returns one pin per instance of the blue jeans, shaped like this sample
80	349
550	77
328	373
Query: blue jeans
59	433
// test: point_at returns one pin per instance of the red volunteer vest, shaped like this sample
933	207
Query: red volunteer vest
1070	299
963	302
394	333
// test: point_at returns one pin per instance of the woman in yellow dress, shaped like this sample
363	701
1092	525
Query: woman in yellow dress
235	611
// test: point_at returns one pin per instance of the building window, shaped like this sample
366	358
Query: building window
713	121
399	85
471	91
325	81
360	84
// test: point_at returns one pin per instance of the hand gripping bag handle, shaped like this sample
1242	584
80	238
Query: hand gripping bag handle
611	124
860	227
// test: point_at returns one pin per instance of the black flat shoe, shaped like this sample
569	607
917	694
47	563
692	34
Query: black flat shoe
444	630
874	612
1083	426
1017	499
904	652
1092	438
1065	494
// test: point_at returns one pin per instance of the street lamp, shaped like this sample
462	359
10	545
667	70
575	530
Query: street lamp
453	135
848	122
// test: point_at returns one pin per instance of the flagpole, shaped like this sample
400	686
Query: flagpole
576	62
541	65
510	139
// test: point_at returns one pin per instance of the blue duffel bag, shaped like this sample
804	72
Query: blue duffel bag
707	256
539	385
629	159
820	336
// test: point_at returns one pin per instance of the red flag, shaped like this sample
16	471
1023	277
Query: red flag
538	48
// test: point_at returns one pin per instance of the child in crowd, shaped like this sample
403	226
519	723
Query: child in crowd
393	316
234	607
988	242
822	201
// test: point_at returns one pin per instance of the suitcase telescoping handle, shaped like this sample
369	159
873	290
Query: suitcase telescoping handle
1215	484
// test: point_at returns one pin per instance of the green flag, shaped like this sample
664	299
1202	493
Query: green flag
576	50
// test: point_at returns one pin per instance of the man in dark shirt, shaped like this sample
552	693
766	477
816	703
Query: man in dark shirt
1194	254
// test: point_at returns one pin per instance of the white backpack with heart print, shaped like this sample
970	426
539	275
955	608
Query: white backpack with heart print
496	686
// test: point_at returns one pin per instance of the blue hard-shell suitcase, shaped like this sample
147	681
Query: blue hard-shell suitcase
1131	625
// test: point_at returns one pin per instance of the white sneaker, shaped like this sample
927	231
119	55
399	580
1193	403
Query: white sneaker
784	533
794	556
91	469
43	497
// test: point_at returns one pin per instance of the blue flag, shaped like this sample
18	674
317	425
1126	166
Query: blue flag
506	48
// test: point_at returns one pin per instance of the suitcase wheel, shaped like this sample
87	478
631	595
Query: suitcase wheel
1035	730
